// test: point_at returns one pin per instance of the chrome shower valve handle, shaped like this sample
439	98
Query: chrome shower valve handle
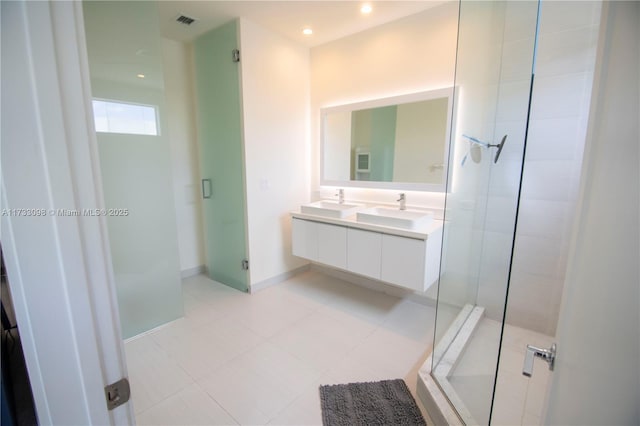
549	355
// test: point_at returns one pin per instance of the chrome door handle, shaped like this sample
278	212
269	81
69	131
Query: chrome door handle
549	355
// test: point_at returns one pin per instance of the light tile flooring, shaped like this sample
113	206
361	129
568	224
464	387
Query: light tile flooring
258	359
519	400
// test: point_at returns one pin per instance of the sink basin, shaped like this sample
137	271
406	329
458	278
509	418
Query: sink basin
331	209
406	219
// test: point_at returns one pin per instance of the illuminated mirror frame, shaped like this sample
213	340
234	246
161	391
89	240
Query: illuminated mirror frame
374	103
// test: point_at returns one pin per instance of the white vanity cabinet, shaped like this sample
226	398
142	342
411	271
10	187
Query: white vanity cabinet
374	252
320	242
364	250
402	261
332	245
304	239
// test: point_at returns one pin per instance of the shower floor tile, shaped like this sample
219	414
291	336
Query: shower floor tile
238	358
518	400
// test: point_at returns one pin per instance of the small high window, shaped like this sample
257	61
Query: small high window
119	117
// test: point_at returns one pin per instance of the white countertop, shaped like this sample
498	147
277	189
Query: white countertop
351	222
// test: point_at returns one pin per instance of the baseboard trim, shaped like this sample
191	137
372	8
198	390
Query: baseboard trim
186	273
253	288
153	330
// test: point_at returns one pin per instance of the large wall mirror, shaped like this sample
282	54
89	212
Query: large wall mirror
394	143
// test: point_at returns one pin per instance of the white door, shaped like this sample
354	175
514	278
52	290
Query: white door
58	265
597	373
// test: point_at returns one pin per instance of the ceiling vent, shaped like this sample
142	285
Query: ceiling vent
186	20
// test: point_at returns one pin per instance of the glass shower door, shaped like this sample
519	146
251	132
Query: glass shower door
495	59
221	155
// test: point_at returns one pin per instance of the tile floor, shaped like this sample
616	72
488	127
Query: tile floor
258	359
519	400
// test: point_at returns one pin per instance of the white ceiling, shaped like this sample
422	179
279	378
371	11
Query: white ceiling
330	20
122	42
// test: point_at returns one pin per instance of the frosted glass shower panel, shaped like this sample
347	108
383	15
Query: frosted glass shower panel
123	40
496	45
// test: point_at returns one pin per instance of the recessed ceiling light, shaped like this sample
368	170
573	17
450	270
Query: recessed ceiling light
307	31
366	9
140	75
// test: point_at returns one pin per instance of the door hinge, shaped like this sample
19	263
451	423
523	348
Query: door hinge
117	393
245	264
236	55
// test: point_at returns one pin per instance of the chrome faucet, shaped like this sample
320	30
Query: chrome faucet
340	195
403	201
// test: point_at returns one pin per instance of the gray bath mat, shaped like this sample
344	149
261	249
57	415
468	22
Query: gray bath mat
387	402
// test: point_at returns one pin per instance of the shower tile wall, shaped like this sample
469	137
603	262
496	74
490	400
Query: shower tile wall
557	129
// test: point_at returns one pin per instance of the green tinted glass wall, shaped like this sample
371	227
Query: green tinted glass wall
383	137
221	154
374	130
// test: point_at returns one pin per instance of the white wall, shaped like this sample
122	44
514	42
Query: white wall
597	375
555	139
479	78
275	97
337	136
409	55
181	129
557	128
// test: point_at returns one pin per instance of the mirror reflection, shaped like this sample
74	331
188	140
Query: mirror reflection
402	140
